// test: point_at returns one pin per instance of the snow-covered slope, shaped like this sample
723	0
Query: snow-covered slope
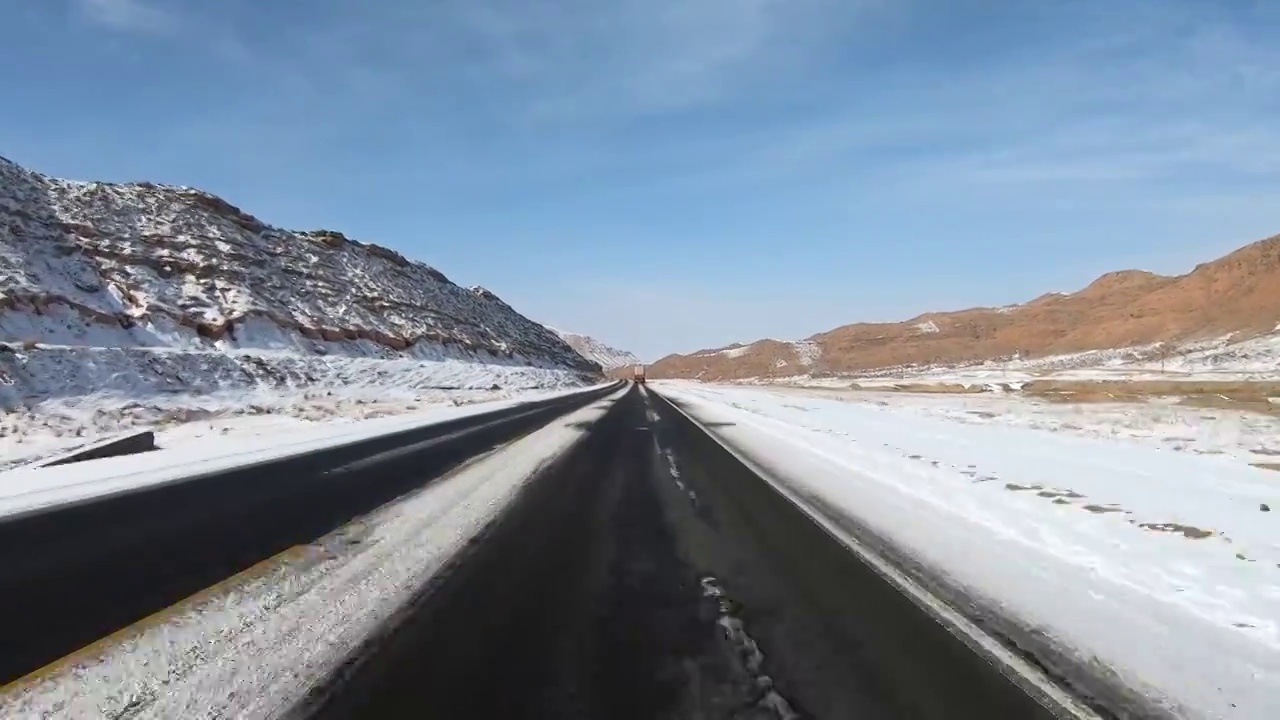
145	292
596	351
159	266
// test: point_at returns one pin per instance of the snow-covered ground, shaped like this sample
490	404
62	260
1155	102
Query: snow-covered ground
55	398
1232	435
1162	565
291	620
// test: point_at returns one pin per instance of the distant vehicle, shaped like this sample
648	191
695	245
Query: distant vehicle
637	374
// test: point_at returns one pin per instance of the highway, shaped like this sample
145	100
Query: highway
652	575
646	573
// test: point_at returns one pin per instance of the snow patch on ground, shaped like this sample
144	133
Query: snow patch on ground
928	327
808	351
1259	356
253	648
1160	564
1232	436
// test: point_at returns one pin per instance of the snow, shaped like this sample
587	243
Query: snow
140	305
58	397
808	351
255	645
194	449
136	264
597	352
928	327
1237	436
1257	356
1216	359
1158	564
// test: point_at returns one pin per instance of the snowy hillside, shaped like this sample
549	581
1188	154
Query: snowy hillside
596	351
160	296
158	266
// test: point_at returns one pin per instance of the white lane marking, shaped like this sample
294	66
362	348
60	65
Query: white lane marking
747	650
673	467
1060	700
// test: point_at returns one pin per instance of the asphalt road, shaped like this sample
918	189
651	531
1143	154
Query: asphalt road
649	574
72	575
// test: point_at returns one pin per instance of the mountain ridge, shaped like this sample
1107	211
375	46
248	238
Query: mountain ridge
106	250
1237	294
607	357
150	268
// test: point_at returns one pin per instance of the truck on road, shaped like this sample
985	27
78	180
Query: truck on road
637	374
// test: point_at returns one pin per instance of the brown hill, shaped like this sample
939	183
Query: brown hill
1237	293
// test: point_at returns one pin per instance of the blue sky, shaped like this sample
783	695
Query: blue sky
674	174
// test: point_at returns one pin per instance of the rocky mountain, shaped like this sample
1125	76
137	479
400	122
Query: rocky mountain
588	347
151	270
1237	294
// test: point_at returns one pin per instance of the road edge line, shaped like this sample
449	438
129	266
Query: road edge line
1031	679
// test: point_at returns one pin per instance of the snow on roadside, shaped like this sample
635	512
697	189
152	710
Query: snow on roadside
188	451
1161	565
1259	355
1231	435
254	648
72	396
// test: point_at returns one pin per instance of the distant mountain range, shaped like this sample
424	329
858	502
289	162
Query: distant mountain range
1237	295
597	352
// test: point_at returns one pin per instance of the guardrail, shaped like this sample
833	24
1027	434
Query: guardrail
75	573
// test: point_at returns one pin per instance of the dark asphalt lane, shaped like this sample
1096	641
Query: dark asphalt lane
649	574
72	575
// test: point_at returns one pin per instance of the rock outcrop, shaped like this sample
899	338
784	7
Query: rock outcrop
607	357
143	265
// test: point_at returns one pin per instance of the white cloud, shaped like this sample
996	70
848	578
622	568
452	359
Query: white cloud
553	61
654	57
1180	101
130	16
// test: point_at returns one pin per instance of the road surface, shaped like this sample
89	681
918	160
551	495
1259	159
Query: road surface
651	575
645	573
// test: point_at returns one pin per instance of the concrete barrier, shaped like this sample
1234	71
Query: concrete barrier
131	444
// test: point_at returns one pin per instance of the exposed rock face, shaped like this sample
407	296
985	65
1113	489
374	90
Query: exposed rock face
597	352
1239	293
146	265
